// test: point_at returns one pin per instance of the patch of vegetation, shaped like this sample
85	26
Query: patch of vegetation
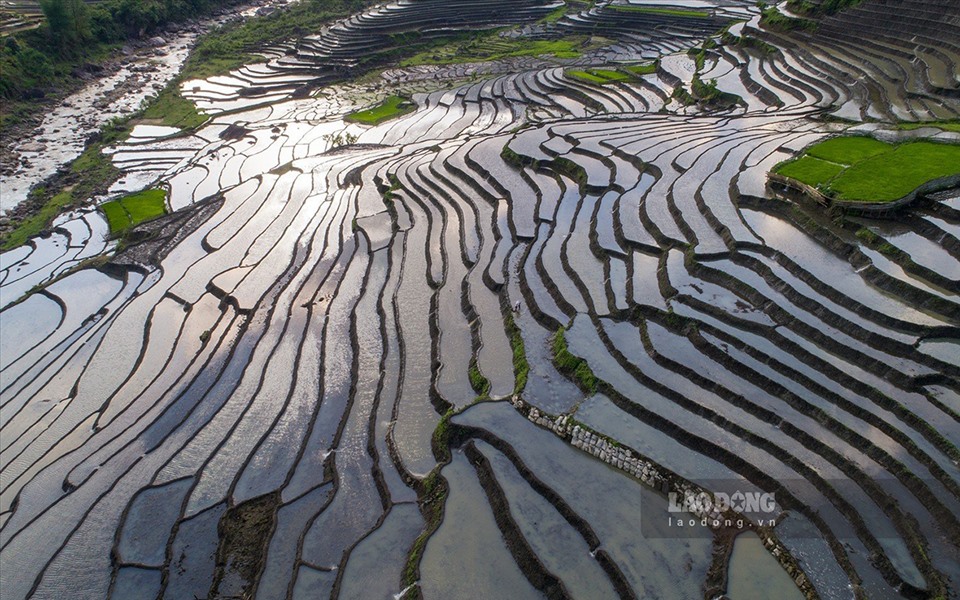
811	171
748	41
872	239
173	110
40	220
681	95
598	76
479	383
895	174
392	107
642	69
555	15
944	125
859	169
521	368
771	18
136	208
667	12
710	95
571	365
847	150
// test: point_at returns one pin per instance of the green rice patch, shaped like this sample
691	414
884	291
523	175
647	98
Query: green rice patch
895	174
811	171
136	208
848	150
598	76
392	107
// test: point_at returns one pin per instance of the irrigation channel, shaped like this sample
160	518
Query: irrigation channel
273	394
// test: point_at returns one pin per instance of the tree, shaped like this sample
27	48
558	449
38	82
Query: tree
67	20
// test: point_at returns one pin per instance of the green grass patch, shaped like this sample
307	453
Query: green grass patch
136	208
392	107
848	150
555	15
811	171
641	69
861	169
571	365
944	125
39	221
895	174
667	12
771	18
173	110
598	76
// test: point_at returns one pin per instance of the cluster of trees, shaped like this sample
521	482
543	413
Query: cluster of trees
74	31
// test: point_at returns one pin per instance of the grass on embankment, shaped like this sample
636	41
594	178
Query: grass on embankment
572	365
124	213
944	125
861	169
392	107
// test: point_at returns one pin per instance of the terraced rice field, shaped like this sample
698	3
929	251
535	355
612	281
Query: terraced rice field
273	391
863	169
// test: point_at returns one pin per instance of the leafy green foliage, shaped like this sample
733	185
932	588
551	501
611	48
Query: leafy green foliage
709	94
68	21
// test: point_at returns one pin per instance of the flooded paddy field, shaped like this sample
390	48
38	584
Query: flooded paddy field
486	348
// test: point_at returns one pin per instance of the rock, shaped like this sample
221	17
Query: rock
157	41
33	147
